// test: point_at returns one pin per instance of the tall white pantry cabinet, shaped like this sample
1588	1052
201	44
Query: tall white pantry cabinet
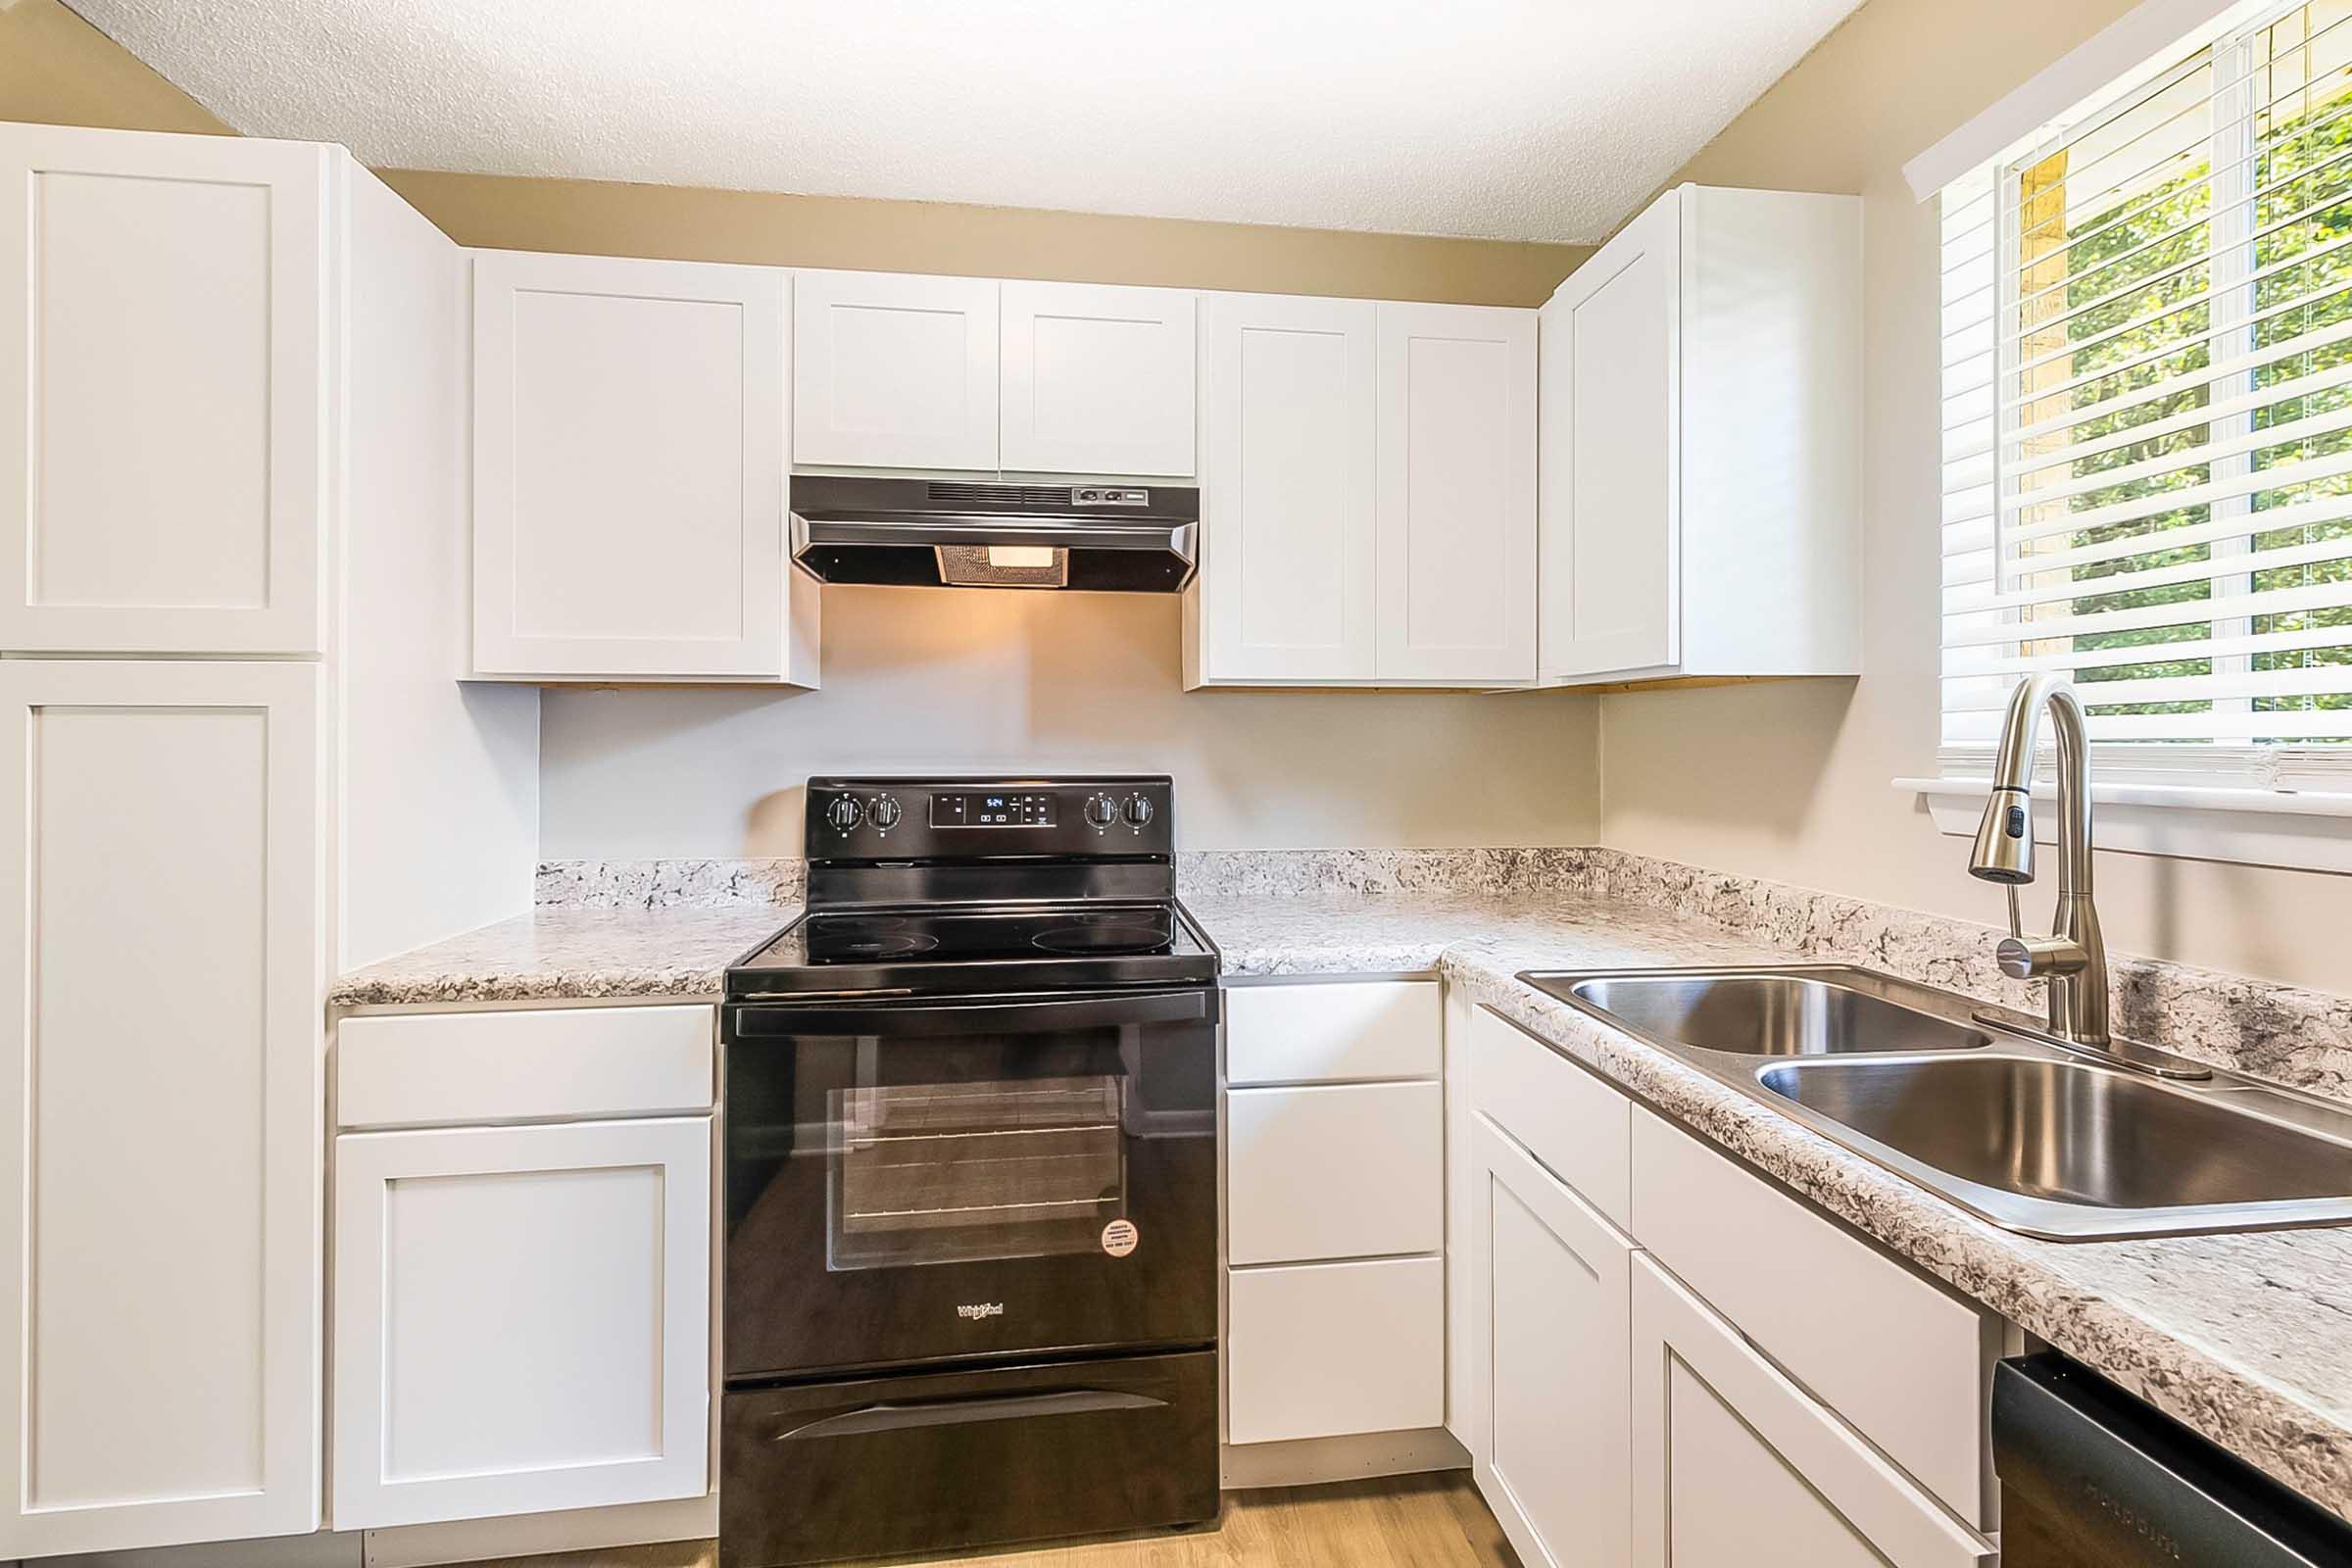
233	761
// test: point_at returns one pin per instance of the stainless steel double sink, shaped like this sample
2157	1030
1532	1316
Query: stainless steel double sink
2028	1136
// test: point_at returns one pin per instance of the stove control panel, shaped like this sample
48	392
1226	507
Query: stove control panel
952	819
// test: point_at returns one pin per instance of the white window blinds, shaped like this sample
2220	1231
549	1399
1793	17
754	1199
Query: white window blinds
2148	409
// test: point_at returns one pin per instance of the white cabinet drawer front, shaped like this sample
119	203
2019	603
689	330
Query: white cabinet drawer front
521	1319
1734	1466
1907	1362
1339	1033
1551	1333
628	467
1097	379
422	1069
1325	1350
164	389
1578	1126
1344	1170
893	371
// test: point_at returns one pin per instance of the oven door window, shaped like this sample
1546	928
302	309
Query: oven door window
953	1172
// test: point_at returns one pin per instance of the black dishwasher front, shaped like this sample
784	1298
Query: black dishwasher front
2093	1478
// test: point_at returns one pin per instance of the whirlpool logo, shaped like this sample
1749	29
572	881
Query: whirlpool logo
974	1312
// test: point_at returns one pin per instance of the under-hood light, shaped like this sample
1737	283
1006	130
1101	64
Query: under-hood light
988	566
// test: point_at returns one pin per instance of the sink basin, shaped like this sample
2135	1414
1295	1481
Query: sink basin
2070	1133
1765	1013
2036	1138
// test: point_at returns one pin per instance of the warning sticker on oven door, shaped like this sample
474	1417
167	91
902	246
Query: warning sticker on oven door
1119	1238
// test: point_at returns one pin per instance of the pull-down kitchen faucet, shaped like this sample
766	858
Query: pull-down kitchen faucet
2073	959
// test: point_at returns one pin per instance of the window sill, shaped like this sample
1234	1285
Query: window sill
2303	830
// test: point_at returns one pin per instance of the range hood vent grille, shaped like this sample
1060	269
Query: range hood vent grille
1000	495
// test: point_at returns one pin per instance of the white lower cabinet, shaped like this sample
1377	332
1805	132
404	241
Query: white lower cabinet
160	1251
1736	1466
521	1319
1331	1350
1549	1340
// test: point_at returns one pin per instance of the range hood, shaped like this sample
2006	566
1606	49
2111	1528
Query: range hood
937	533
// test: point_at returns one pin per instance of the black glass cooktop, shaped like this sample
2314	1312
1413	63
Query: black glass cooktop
1073	941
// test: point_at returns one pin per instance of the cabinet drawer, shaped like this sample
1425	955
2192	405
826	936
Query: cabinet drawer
1570	1120
1906	1362
1341	1033
1324	1350
422	1069
1734	1466
1343	1170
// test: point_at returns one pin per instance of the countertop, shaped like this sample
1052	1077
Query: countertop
2246	1339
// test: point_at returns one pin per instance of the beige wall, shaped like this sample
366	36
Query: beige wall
972	680
1793	781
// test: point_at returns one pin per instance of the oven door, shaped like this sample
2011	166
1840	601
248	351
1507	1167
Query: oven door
914	1182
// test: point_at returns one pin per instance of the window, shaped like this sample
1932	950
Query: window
2148	427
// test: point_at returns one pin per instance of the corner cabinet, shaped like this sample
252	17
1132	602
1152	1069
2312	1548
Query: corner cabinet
163	366
1700	461
1368	508
629	457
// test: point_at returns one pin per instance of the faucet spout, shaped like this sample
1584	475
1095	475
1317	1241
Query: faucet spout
2073	957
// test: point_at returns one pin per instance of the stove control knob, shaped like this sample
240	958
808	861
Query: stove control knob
1139	812
886	810
1101	810
844	813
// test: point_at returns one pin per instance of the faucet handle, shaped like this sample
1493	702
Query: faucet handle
2035	957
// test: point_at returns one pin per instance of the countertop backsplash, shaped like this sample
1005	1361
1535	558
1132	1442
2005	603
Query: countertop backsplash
2288	1034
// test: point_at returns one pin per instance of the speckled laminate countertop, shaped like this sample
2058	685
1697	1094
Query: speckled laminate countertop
2247	1339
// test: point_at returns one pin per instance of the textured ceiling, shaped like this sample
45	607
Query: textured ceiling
1500	119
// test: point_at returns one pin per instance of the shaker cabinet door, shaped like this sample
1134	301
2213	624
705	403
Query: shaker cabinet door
1552	1377
521	1319
892	370
1611	453
1736	1466
1455	495
1097	379
1286	587
628	469
163	390
161	1103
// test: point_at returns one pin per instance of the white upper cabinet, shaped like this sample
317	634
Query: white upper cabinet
892	370
160	1247
1286	570
1097	380
163	386
1368	495
1609	470
628	473
1701	443
1454	496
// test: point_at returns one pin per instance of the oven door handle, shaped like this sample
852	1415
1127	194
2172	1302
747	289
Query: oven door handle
777	1020
887	1417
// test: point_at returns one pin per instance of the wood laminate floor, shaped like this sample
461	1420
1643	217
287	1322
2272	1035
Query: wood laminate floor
1425	1521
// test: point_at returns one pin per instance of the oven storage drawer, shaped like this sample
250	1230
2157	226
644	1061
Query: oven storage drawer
910	1463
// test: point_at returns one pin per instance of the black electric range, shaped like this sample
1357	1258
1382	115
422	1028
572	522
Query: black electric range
971	1168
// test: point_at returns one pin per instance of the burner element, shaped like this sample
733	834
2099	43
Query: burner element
1123	932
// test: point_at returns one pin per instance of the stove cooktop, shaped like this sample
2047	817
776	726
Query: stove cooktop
941	948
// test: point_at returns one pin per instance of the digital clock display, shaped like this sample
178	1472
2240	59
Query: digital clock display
992	810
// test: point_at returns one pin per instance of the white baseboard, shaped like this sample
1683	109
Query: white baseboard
1310	1460
326	1550
419	1546
527	1534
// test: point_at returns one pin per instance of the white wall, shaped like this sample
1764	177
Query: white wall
1792	781
995	679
